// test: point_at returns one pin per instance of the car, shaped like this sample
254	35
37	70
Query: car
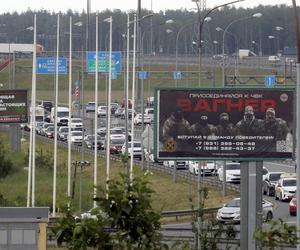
101	111
138	119
136	151
47	105
273	59
230	212
122	116
38	127
293	205
76	123
285	188
113	107
150	113
45	126
116	143
49	132
89	141
268	185
90	107
233	172
207	167
119	112
179	164
63	133
76	137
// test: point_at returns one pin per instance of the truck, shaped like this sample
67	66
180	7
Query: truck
62	114
243	53
6	48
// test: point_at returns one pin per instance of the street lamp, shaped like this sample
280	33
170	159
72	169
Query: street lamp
256	15
278	29
201	22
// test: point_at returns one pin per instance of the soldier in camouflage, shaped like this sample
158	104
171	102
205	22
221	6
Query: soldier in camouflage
249	125
225	127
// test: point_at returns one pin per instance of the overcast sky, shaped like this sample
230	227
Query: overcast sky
99	5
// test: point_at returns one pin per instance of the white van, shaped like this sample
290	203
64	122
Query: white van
62	113
150	113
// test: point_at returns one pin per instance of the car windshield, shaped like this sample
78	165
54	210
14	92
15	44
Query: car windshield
117	141
76	133
91	104
150	111
274	177
289	183
76	120
63	130
116	131
62	114
135	144
233	203
233	166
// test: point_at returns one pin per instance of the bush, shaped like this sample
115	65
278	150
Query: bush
6	165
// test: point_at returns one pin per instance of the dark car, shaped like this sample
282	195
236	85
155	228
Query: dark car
47	105
268	186
89	141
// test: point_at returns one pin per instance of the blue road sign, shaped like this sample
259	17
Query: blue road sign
177	75
103	61
47	65
270	81
143	75
113	75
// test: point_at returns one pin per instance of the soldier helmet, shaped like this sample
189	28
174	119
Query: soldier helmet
270	110
249	110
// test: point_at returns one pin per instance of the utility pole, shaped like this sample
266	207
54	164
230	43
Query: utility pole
139	93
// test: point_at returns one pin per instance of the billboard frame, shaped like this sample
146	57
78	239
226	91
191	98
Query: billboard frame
25	91
230	158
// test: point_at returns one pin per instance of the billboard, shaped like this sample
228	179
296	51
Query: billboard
224	124
13	106
103	61
47	65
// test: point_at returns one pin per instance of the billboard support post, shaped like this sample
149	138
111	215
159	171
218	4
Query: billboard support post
244	204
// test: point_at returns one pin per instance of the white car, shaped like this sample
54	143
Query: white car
233	172
138	119
101	111
207	167
76	137
76	123
137	149
150	113
285	188
273	59
179	164
230	212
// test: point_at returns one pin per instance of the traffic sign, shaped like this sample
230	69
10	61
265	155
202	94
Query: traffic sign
177	75
103	61
47	65
270	81
143	75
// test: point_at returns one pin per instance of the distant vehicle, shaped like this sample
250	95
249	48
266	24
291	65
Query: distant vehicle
45	126
62	113
230	212
90	107
47	105
76	123
270	182
119	112
179	164
138	119
150	113
207	168
273	59
233	172
113	107
76	137
137	149
293	205
38	127
101	111
49	132
62	133
116	143
6	48
89	141
285	188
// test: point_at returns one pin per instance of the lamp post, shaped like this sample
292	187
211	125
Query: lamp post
271	37
278	29
256	15
201	23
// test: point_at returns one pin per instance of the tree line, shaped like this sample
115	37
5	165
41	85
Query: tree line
267	35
